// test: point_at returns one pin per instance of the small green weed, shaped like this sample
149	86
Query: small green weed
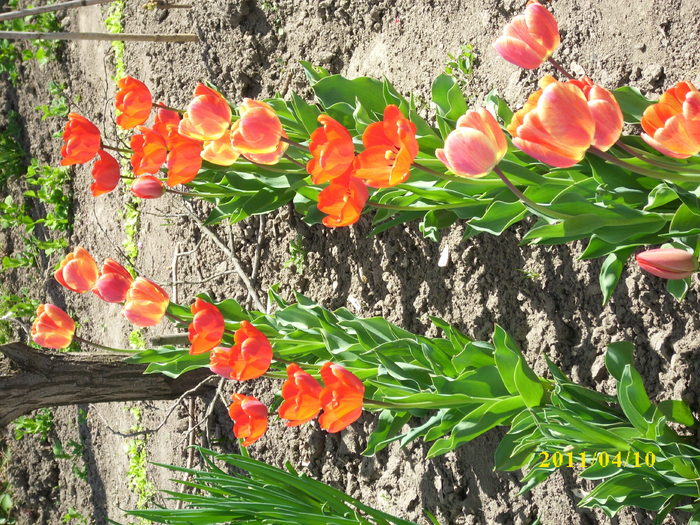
297	255
41	423
137	454
74	454
58	107
461	65
11	152
12	306
73	517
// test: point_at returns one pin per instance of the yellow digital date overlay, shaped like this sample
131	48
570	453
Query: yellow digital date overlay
587	459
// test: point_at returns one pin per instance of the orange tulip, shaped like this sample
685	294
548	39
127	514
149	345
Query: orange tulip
342	201
166	120
332	150
207	117
249	418
146	303
672	125
147	187
475	147
150	151
341	398
258	130
220	151
668	263
555	126
390	147
106	174
269	158
184	159
81	141
248	358
78	271
605	111
134	100
207	327
301	394
530	38
113	283
52	328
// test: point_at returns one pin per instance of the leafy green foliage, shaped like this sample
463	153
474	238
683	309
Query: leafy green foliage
58	106
15	306
41	423
11	152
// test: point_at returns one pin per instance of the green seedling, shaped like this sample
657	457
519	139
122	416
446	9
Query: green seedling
41	424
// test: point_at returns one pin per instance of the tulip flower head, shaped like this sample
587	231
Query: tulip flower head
475	146
166	120
146	303
81	141
113	283
52	328
184	158
605	111
530	38
134	101
207	327
147	187
332	151
301	394
668	263
208	116
220	151
106	174
342	201
258	130
150	151
249	418
390	147
341	398
248	358
272	157
672	125
78	271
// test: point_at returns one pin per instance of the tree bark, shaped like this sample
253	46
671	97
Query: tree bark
47	379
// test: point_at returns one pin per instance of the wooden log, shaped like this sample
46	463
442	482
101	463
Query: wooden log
11	15
125	37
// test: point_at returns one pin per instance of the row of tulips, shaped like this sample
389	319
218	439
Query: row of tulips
446	390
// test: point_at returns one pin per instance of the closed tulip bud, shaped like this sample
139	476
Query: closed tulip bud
530	38
184	158
331	149
150	151
668	263
248	358
106	174
78	271
258	130
220	151
475	146
672	125
207	327
249	418
341	398
52	328
113	283
302	397
390	148
208	116
342	201
146	303
147	187
81	141
134	101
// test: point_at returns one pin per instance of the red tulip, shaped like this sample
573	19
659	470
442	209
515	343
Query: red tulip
390	147
220	151
134	101
605	111
332	151
81	141
106	174
248	358
150	151
146	303
113	283
208	116
341	398
342	201
668	263
672	126
301	394
147	187
78	271
530	38
207	327
184	159
166	120
249	418
475	147
258	130
52	328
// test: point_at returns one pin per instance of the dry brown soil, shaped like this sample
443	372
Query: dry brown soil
544	296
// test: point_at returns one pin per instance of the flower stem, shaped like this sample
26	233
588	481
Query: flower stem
416	208
641	155
292	143
674	177
103	347
556	65
527	201
202	195
163	106
443	176
295	161
114	148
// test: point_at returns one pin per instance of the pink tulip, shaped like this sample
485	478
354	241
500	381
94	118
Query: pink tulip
668	263
147	187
